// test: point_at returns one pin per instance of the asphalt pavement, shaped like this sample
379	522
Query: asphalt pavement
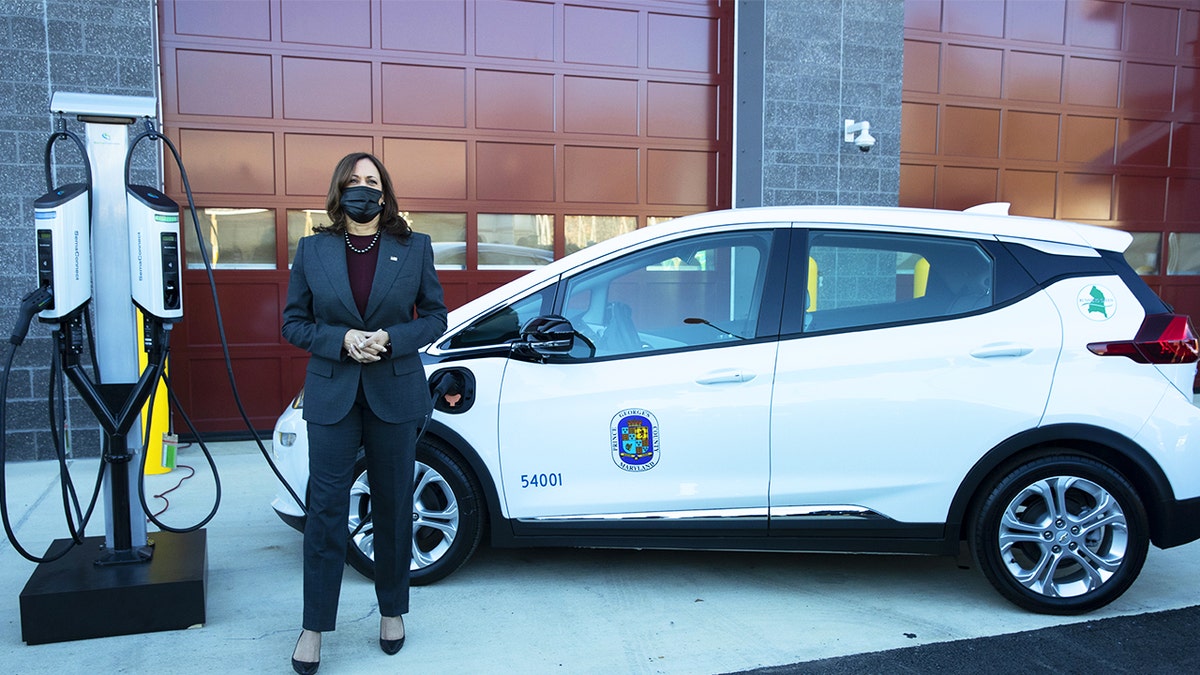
1146	644
592	611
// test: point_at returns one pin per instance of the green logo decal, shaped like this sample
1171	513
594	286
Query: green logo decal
1097	303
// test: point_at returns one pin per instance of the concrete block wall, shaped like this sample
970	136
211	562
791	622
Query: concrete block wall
817	63
85	46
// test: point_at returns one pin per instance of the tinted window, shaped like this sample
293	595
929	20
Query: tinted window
698	291
504	323
862	279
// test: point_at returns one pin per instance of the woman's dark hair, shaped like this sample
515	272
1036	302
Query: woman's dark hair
390	220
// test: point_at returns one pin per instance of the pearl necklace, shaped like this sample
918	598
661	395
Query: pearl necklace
362	250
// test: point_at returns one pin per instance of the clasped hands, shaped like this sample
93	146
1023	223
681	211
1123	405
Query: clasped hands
366	347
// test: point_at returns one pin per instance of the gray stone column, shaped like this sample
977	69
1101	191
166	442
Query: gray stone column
805	66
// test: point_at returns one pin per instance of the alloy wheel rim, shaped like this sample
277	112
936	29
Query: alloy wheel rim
1063	536
435	517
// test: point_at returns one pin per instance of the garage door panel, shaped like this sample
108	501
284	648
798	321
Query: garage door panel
515	171
553	112
223	83
682	43
516	101
1031	193
250	313
436	27
427	169
309	159
680	177
600	105
259	382
245	19
443	95
677	110
961	187
233	162
517	30
607	175
1144	142
327	89
605	37
346	23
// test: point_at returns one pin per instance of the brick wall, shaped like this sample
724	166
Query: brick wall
85	46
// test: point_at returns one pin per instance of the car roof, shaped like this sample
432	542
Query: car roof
989	221
984	220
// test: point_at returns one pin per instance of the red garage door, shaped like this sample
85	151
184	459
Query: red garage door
517	132
1085	110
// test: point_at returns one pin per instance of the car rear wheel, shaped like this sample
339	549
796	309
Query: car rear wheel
447	516
1061	535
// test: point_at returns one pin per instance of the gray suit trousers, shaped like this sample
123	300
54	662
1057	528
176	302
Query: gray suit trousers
391	458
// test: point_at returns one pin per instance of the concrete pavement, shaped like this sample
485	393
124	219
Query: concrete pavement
538	610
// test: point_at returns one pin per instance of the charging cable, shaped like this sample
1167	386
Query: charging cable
61	131
32	303
154	134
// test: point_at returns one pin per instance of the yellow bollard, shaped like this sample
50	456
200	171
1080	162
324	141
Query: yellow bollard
160	452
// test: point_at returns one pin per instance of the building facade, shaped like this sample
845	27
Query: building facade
1085	110
520	130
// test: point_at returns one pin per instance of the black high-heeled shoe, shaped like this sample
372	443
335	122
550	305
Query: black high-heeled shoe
390	647
304	667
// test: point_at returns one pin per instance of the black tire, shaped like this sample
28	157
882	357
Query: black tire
447	516
1072	553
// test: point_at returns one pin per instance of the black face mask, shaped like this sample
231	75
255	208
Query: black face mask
361	203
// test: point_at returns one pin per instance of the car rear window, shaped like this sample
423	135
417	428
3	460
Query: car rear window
858	279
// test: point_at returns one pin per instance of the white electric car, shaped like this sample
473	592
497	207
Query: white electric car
815	379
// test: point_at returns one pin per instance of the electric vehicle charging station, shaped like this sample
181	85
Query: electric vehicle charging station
63	233
154	252
124	582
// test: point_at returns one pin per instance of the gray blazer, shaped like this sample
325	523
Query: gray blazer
320	309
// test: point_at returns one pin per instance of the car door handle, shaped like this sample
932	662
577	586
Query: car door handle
996	349
726	375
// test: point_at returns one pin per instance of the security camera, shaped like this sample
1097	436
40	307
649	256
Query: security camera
865	142
859	133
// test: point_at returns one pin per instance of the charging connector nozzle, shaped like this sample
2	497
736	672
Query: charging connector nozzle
34	301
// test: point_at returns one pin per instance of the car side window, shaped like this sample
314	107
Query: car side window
503	324
863	279
698	291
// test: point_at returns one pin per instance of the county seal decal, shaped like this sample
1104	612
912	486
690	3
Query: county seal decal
634	434
1096	302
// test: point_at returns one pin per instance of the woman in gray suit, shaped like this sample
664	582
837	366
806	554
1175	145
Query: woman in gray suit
362	299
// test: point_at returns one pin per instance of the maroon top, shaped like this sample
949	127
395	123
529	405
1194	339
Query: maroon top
361	267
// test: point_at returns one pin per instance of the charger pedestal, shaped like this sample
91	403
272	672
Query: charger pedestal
122	583
78	596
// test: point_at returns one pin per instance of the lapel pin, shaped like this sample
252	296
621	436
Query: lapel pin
393	258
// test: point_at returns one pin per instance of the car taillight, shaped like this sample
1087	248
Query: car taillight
1162	338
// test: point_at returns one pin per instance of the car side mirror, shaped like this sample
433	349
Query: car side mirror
545	336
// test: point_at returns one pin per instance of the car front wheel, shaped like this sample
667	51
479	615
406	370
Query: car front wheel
447	516
1061	535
